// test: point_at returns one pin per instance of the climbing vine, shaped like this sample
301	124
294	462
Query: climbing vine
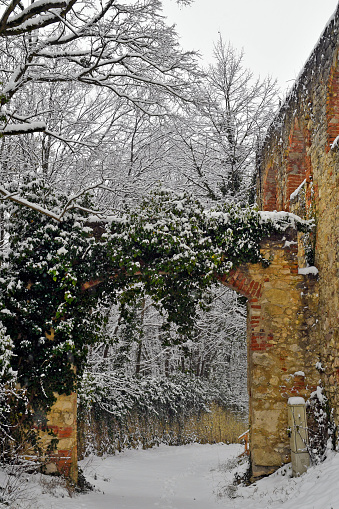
178	249
169	247
50	320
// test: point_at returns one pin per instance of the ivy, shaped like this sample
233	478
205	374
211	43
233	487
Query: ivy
46	313
172	249
169	247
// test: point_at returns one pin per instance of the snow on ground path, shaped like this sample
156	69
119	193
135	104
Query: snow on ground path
187	477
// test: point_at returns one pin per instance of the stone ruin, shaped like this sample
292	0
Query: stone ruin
293	309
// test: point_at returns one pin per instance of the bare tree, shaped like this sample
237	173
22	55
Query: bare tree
216	141
125	49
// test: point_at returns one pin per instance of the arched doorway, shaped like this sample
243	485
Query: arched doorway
281	353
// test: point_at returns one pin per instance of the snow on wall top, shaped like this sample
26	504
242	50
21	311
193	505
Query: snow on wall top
296	400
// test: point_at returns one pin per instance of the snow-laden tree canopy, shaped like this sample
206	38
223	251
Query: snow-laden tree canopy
68	62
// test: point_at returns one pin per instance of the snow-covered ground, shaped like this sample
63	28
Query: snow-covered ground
188	477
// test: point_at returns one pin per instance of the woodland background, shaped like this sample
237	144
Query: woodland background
99	106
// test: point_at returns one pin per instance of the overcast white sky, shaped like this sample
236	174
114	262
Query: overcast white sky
276	35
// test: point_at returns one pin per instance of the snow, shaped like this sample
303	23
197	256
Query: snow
188	477
316	489
319	366
27	203
62	251
297	191
296	401
308	270
319	394
6	312
289	243
43	4
278	217
24	128
335	143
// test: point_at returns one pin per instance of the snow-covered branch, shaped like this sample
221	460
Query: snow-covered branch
26	128
35	16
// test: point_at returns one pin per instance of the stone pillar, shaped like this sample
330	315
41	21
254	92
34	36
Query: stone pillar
282	351
62	420
282	347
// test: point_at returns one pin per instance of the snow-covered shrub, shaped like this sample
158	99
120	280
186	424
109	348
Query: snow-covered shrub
7	375
47	315
7	386
126	411
118	394
8	392
13	405
118	411
321	427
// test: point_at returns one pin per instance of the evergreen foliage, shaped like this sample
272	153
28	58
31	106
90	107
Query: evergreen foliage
169	247
43	308
322	431
178	249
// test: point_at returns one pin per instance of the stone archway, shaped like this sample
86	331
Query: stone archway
282	353
292	318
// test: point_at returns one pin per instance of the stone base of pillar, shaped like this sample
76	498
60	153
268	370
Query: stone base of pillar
62	420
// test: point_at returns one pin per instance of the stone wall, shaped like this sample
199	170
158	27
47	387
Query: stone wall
298	171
